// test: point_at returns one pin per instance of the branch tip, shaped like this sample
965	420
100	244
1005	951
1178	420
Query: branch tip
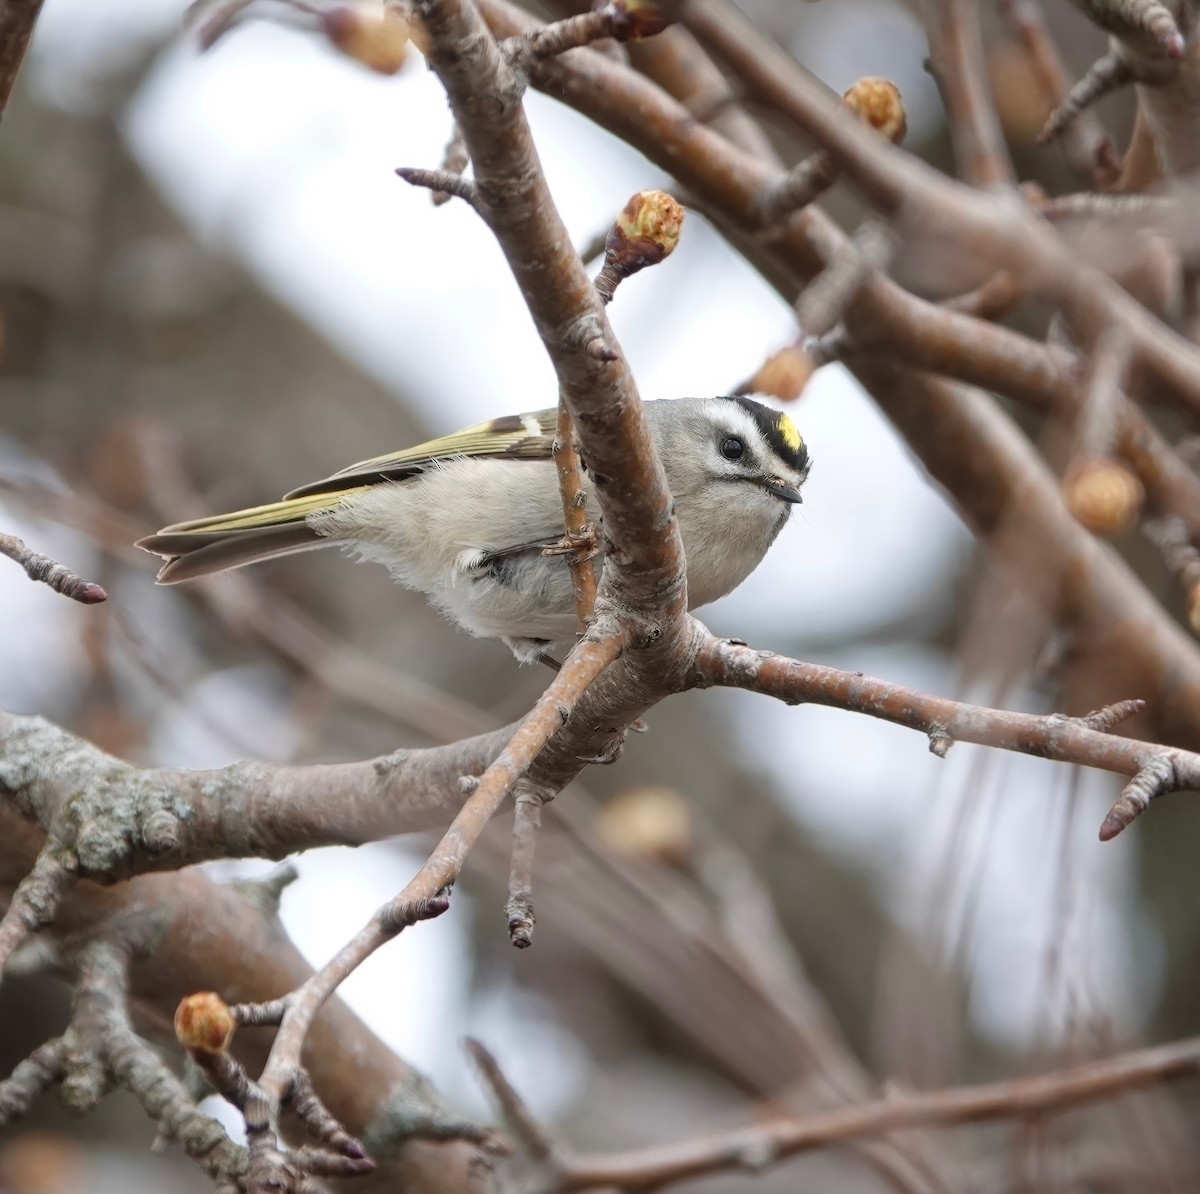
1103	77
1107	719
1156	778
42	568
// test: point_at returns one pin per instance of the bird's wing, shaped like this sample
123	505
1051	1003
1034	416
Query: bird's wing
513	437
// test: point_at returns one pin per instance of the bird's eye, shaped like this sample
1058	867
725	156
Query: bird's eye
732	448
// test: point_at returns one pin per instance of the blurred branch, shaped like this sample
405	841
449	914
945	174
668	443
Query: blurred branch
1087	145
17	19
754	1147
957	62
42	568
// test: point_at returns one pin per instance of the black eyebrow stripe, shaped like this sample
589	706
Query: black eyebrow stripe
768	423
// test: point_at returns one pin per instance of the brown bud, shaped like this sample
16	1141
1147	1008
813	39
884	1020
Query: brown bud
646	231
637	18
203	1021
783	375
379	40
649	823
879	103
1104	495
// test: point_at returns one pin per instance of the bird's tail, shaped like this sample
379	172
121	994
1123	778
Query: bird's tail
244	537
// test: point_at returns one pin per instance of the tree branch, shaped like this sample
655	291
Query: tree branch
751	1147
1155	769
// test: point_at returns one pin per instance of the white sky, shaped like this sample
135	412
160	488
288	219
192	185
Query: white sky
282	153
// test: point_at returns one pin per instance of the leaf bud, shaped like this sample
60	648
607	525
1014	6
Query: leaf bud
879	102
204	1022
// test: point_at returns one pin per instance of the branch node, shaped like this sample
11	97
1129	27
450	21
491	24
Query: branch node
160	833
940	741
402	914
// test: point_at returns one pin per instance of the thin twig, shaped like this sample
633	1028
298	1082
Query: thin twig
424	896
1155	769
1044	1094
516	1115
36	900
1103	77
548	41
1170	535
518	911
441	182
42	568
1088	147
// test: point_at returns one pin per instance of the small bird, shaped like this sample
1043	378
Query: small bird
472	520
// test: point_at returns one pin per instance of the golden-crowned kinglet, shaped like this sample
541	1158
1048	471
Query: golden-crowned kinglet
464	519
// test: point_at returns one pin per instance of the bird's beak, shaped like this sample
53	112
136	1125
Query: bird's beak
789	493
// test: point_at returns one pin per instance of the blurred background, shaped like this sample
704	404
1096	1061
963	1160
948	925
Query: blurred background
212	289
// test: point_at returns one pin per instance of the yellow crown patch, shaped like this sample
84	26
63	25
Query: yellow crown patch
788	433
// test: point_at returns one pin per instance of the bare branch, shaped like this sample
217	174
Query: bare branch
518	911
750	1147
1103	77
1157	769
875	101
441	182
936	417
424	896
42	568
516	1115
